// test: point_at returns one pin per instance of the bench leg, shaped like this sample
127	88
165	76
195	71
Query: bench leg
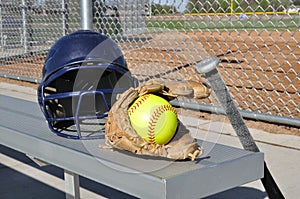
71	185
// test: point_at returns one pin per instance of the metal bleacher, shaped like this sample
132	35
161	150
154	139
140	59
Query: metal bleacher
23	128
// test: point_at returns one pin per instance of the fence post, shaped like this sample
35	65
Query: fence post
1	28
86	14
24	18
65	14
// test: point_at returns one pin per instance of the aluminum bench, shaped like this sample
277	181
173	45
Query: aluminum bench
23	128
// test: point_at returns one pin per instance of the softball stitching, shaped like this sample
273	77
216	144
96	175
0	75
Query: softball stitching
154	119
137	104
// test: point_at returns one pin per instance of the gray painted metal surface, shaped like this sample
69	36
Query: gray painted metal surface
23	128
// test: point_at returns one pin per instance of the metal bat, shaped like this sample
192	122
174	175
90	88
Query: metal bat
207	67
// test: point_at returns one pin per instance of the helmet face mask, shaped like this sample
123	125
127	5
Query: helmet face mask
76	97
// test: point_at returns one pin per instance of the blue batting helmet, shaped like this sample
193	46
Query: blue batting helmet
83	74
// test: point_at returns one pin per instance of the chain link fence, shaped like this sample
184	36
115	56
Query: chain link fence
256	41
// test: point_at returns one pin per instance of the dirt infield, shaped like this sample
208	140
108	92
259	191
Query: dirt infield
260	68
24	66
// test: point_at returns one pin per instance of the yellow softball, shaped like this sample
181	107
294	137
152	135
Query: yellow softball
153	118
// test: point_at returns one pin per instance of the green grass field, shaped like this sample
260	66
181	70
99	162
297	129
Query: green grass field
276	23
